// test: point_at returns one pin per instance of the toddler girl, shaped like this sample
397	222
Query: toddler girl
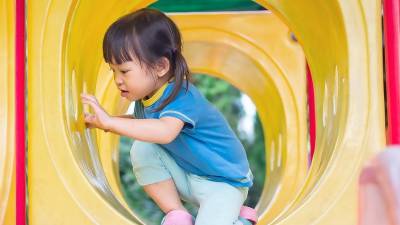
184	148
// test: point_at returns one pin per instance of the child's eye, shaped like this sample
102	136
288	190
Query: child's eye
124	71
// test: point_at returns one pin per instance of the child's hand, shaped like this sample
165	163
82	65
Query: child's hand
100	118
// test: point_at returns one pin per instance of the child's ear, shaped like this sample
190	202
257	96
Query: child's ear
162	67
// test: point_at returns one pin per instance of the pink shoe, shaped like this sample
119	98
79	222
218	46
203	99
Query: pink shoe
249	214
177	217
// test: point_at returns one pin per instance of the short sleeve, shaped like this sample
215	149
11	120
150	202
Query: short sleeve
183	107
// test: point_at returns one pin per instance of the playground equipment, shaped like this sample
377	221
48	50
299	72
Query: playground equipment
72	172
349	103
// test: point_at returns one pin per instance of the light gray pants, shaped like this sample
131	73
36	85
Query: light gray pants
219	203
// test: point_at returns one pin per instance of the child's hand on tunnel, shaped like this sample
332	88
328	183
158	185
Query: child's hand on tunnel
100	119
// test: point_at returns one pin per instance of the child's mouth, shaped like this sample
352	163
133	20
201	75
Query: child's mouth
124	93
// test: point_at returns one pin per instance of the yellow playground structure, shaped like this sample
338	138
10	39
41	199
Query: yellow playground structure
72	171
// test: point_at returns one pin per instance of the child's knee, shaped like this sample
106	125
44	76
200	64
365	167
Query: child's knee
145	154
141	152
147	164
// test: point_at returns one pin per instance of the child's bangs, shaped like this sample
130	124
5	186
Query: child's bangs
118	46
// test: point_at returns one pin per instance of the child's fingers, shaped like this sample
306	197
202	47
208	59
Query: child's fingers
90	103
89	97
87	115
86	98
92	98
85	95
89	118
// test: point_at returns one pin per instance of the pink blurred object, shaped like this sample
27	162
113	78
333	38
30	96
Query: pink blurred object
379	194
178	217
249	214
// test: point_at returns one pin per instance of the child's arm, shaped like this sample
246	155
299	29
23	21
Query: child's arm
160	131
126	116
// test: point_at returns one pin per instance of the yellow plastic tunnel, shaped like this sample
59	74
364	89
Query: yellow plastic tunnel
72	171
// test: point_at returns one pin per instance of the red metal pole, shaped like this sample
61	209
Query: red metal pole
392	44
311	113
20	111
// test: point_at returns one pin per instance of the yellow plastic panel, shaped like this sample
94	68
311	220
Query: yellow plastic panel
342	42
7	112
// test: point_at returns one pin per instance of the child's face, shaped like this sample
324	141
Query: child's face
133	80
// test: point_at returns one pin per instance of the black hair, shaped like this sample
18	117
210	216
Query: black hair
147	35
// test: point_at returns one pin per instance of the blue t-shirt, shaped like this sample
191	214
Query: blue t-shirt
206	146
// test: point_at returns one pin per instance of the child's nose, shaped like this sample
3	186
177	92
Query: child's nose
118	80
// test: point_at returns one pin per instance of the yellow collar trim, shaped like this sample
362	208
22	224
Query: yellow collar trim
155	97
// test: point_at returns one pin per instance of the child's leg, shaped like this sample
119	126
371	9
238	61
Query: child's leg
156	171
165	195
220	202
